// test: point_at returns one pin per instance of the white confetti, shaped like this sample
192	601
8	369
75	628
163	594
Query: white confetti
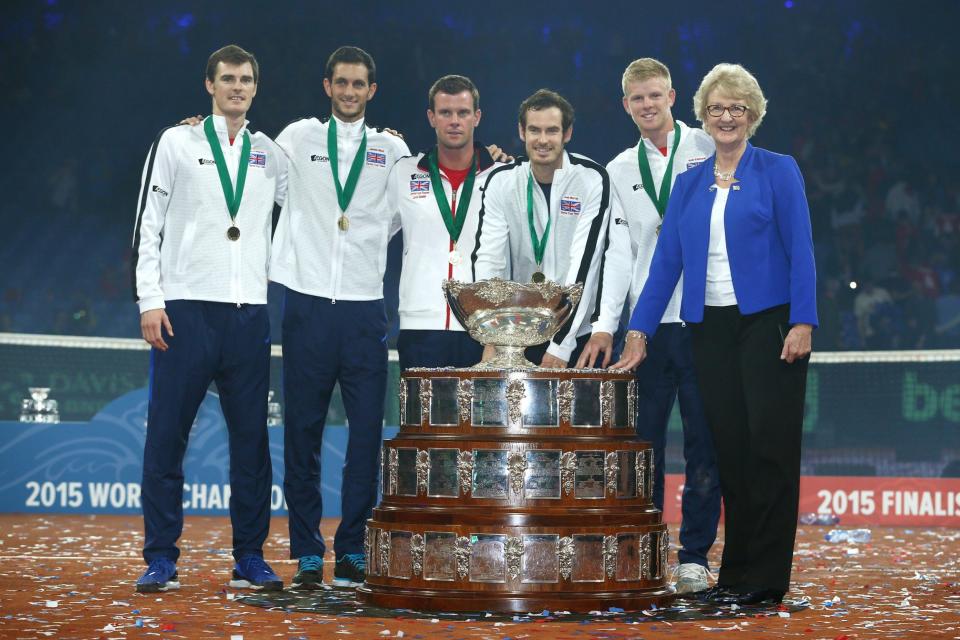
52	604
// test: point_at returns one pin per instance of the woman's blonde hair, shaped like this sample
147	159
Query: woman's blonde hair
736	83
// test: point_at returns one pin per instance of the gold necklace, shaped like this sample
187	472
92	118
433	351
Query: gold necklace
726	177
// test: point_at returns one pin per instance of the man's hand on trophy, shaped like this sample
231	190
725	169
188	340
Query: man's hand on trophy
552	362
152	324
634	351
600	342
192	120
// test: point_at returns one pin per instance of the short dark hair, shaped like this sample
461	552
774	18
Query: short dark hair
232	54
351	55
452	85
544	99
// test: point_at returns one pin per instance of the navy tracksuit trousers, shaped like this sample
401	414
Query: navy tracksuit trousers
229	345
666	374
326	342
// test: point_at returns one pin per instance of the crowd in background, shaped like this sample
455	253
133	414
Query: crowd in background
87	90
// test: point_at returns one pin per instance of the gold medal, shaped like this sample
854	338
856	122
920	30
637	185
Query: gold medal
233	233
538	277
343	223
455	258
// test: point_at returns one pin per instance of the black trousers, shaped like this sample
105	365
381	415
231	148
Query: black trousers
754	405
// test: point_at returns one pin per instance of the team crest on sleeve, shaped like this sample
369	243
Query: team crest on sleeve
377	157
258	159
570	205
692	162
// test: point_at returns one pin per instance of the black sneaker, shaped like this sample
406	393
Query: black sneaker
309	574
350	570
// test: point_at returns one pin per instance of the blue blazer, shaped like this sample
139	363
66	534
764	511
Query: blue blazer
769	242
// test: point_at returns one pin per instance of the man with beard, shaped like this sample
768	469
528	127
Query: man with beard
544	217
438	194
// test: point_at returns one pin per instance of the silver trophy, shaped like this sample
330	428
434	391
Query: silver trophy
511	315
39	408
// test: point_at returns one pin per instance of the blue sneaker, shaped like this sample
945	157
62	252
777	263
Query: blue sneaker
251	572
160	576
350	570
309	574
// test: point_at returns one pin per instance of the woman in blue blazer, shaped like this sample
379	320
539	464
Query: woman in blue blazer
738	228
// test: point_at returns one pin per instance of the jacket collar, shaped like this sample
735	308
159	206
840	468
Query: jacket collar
220	126
558	175
648	145
484	159
347	130
744	172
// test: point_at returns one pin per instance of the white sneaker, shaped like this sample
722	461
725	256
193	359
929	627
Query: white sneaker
692	577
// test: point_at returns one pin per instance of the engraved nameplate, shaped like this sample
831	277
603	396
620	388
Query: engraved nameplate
442	476
589	478
542	477
439	556
444	408
586	403
487	558
489	473
587	558
489	402
540	406
406	471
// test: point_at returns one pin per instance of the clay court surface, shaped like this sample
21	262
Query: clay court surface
73	577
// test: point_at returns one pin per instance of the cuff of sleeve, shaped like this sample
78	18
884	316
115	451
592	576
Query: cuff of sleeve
149	304
559	351
605	326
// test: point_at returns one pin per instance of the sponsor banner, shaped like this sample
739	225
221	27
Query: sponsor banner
921	502
85	381
97	466
860	500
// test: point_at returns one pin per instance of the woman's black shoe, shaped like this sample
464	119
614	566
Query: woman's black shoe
762	597
716	591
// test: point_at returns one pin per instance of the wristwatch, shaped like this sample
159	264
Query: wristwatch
633	334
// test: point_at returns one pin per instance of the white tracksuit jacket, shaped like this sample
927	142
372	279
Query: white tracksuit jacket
580	204
633	234
180	245
311	254
426	241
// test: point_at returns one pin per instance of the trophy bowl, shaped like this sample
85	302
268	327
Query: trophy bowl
511	315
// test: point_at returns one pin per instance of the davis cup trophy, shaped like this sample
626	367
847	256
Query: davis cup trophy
514	488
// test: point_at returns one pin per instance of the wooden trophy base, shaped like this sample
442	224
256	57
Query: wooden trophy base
516	491
515	602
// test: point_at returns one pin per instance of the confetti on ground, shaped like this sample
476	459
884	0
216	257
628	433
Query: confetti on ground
73	577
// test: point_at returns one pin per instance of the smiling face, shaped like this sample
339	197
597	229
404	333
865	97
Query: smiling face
232	89
727	132
544	137
649	102
454	118
349	90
